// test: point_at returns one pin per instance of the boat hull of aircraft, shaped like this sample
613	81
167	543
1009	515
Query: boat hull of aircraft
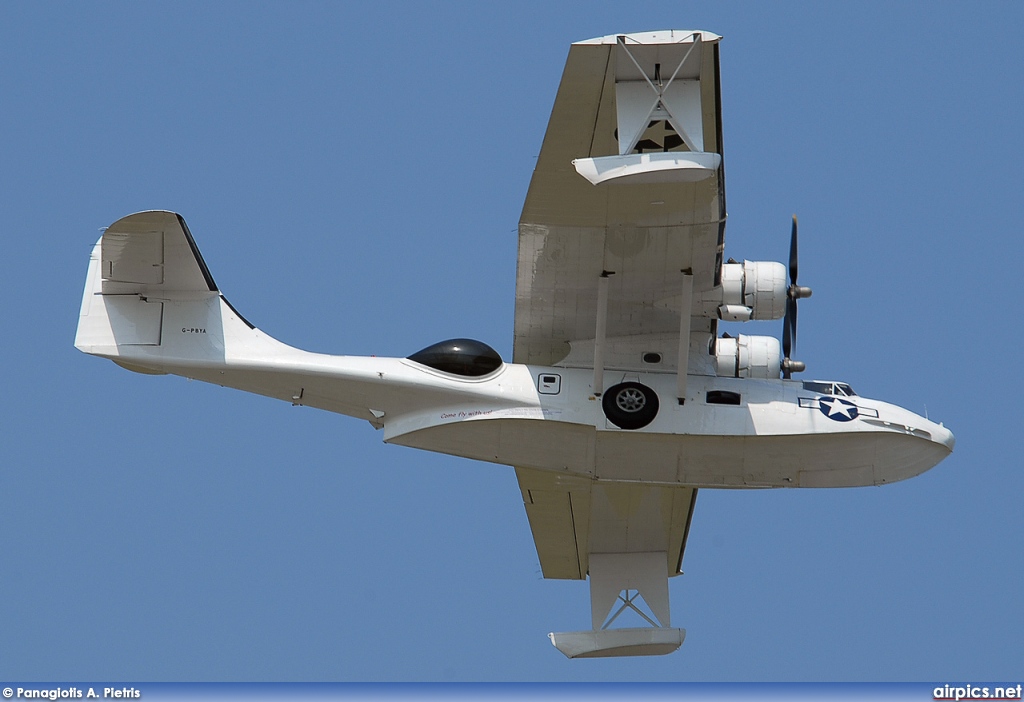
776	436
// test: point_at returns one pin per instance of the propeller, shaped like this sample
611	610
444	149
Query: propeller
794	293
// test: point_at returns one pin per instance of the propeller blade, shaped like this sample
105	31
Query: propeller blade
793	255
795	292
792	322
787	329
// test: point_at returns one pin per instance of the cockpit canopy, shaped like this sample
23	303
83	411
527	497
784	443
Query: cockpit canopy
460	357
827	387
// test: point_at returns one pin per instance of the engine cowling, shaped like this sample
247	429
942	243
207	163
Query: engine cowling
758	286
748	357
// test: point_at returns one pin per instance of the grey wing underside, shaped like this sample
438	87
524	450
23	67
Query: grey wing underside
644	233
572	517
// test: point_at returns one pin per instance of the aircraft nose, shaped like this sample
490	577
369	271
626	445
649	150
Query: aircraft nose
944	436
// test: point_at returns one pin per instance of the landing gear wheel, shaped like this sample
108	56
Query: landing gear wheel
630	405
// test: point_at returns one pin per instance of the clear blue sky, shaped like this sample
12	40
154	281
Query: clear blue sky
354	178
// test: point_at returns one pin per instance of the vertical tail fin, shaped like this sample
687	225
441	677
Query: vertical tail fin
150	301
151	306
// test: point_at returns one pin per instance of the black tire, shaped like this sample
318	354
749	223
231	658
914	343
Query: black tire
630	405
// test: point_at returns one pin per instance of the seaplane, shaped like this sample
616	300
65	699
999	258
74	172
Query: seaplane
621	400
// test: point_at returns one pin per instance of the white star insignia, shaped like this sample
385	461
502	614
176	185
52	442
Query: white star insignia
837	406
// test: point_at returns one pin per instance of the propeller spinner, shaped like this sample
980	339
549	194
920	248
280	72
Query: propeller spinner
795	292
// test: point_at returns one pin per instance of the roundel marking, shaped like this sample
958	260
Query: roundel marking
836	409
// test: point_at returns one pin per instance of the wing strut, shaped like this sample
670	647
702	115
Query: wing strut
601	331
686	309
660	105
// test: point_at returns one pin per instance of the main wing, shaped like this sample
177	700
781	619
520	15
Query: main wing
571	517
628	195
659	209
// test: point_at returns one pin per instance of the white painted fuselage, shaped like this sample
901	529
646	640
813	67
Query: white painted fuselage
778	435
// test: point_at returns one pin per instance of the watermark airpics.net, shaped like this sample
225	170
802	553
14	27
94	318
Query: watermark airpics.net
977	692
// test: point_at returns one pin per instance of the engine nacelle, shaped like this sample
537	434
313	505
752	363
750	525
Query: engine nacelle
759	286
748	357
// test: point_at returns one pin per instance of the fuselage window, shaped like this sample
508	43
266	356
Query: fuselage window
723	397
815	386
549	384
828	388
